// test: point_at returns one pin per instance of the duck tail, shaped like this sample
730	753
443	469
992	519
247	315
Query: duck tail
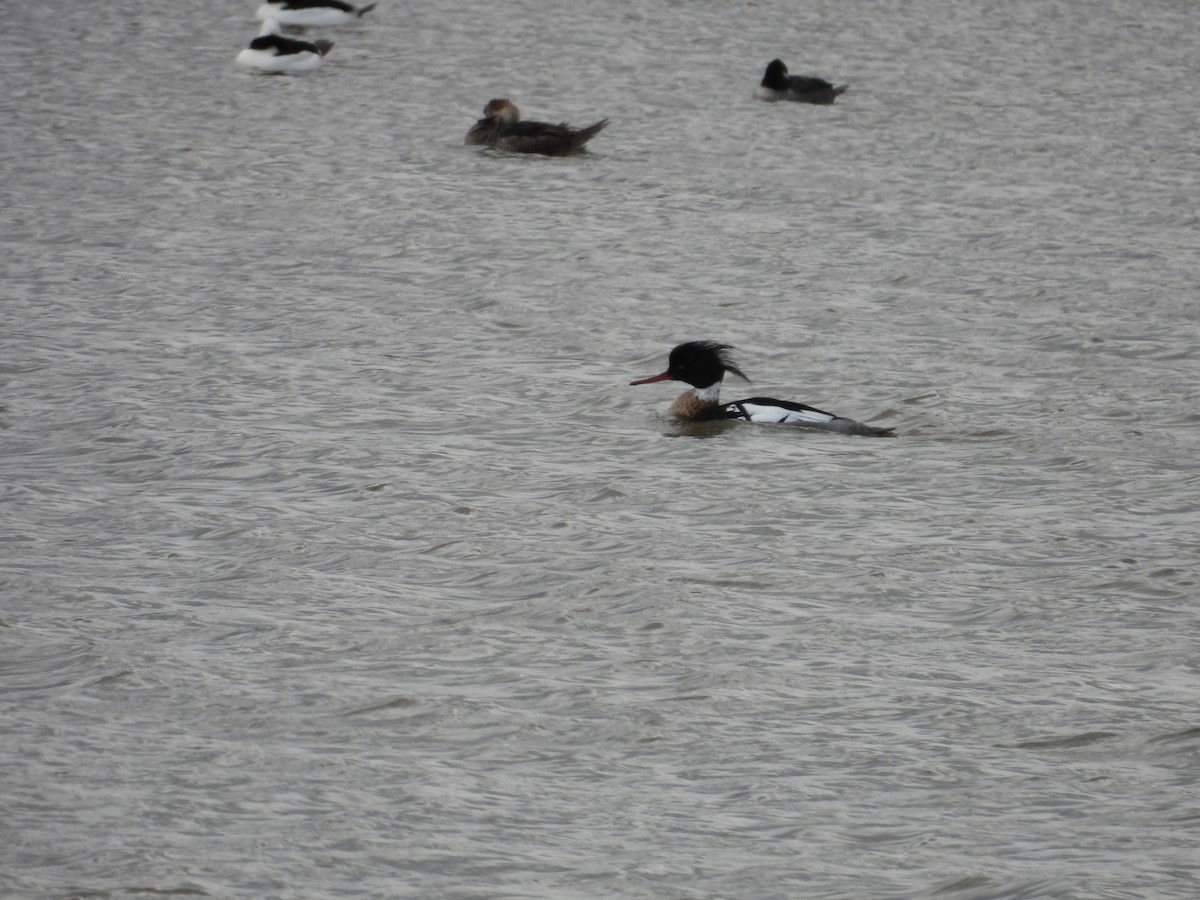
861	428
323	46
363	10
583	135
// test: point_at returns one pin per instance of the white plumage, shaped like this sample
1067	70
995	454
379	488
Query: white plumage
781	415
309	14
271	52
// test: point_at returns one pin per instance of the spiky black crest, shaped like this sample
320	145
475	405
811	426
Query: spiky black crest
701	350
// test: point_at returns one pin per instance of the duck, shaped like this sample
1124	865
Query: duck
502	129
271	52
704	364
312	13
779	85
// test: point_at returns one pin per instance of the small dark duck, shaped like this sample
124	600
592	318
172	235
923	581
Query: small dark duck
502	129
779	85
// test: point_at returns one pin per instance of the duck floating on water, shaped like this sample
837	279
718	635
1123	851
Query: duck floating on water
273	53
703	365
312	13
502	129
779	85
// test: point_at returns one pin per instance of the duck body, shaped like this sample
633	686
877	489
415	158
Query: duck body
703	365
777	84
312	13
273	53
502	129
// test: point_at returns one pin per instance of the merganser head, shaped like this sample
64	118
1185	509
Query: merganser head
776	76
698	363
502	110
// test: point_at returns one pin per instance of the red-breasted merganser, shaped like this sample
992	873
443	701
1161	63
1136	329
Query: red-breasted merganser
703	365
312	13
501	127
801	88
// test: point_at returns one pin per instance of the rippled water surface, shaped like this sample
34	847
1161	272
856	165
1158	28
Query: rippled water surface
339	559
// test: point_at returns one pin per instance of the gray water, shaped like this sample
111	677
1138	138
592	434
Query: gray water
339	559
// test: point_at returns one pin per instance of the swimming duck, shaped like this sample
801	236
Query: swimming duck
501	128
312	13
779	85
703	365
274	53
